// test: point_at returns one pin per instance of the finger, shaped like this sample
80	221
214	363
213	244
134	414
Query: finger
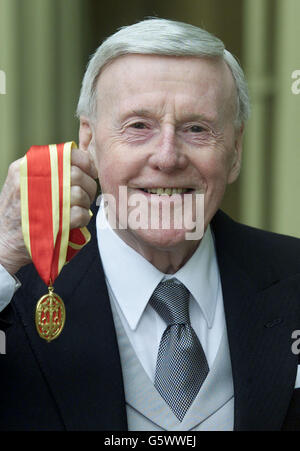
79	197
84	181
13	175
79	217
82	159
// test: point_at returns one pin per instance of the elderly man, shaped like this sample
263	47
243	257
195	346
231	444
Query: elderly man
163	332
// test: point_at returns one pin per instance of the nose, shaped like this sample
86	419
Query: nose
168	156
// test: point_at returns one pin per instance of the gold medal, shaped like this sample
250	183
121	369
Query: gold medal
50	315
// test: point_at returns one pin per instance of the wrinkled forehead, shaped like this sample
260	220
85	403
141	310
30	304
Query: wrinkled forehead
208	81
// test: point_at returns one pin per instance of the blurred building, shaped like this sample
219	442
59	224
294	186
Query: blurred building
44	49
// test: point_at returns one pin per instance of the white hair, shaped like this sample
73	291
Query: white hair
155	36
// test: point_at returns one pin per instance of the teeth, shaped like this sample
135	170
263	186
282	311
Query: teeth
166	191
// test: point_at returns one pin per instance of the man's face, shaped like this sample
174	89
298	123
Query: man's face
166	122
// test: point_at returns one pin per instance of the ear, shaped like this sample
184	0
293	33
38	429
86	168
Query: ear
85	133
237	159
86	137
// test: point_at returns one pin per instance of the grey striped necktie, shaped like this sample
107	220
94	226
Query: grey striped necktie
181	366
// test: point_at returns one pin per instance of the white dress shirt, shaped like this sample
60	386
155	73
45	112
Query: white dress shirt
8	286
132	280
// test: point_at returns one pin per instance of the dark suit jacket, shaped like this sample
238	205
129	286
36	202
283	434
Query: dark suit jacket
75	382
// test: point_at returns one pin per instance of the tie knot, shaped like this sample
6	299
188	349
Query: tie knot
171	302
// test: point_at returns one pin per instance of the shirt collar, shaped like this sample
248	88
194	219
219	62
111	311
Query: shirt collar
133	279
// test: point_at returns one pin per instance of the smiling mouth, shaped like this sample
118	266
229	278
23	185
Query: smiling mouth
166	191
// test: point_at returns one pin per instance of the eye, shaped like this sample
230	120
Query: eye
138	125
196	129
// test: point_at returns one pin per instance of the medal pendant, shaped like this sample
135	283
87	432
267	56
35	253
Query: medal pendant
50	315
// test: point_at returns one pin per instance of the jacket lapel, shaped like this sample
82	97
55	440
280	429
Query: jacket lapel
261	314
82	366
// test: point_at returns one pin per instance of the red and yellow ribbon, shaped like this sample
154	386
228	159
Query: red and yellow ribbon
45	179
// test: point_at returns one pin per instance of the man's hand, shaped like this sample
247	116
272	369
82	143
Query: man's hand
13	253
83	187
